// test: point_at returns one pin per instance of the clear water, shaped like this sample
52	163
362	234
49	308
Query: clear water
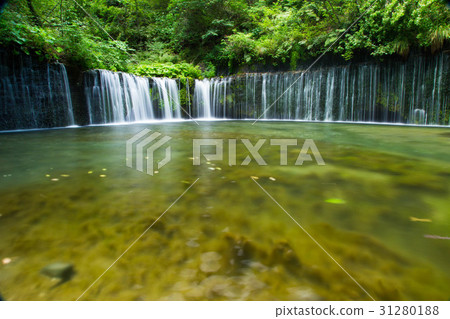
383	192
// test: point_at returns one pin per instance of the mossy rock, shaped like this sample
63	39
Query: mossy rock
282	253
59	270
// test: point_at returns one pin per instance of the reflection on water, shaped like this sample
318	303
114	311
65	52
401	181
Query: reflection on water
379	206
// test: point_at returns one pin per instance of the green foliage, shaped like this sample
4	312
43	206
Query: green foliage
66	38
154	36
169	70
295	30
209	70
201	24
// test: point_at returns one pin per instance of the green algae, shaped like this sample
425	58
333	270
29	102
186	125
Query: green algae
259	253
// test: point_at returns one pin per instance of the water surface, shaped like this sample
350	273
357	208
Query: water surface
379	206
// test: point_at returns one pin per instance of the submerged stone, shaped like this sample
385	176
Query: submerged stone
241	248
210	262
59	270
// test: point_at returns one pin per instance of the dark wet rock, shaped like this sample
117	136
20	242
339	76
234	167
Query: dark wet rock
59	270
283	254
241	249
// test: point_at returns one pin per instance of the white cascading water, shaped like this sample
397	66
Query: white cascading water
420	117
264	96
36	95
112	108
33	94
354	92
69	112
202	98
115	97
138	105
414	92
168	93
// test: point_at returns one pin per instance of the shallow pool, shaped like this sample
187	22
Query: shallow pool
373	222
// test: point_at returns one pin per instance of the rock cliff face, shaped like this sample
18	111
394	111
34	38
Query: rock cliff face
33	94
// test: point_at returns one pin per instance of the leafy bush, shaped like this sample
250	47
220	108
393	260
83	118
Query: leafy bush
217	33
169	70
69	43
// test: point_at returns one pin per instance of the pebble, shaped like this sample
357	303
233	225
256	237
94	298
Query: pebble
272	179
55	179
192	243
210	262
304	294
6	260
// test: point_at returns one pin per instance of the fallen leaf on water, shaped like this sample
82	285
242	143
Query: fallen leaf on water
335	201
423	220
47	175
254	177
64	175
6	260
55	179
90	172
102	175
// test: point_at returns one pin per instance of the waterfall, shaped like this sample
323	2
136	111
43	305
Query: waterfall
169	95
113	97
264	96
389	92
66	86
420	116
37	95
138	104
33	94
202	98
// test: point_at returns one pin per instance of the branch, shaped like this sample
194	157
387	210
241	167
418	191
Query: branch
34	14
